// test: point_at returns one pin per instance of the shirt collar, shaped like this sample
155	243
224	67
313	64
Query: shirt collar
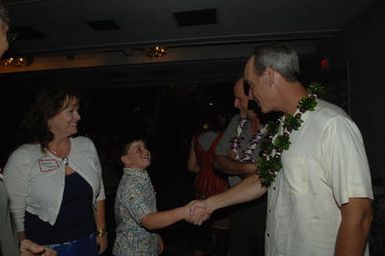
135	171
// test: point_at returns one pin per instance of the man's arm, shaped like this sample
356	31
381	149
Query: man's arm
354	229
248	189
230	166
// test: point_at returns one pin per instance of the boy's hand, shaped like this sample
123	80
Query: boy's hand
199	211
160	245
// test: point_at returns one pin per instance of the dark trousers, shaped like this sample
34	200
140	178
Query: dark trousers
247	229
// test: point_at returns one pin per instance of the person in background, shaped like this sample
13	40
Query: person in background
208	181
319	185
54	179
9	243
235	156
136	212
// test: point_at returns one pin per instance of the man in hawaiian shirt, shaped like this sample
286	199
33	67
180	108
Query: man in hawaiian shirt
235	156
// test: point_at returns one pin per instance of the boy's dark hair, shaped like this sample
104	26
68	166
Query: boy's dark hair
127	140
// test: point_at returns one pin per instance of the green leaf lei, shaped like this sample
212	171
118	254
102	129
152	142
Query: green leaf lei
272	145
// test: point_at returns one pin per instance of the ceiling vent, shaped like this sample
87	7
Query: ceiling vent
102	25
25	2
25	33
196	18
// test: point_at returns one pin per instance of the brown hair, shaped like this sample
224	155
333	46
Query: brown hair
48	103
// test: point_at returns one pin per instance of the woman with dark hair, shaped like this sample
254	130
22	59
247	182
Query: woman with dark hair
54	179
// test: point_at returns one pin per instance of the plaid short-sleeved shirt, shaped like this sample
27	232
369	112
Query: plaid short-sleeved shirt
135	198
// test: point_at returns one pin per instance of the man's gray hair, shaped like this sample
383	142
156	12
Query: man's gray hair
280	58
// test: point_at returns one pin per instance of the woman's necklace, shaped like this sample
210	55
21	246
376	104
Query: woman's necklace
64	159
273	143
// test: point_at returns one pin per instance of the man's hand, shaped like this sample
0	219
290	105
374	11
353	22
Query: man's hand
199	212
230	166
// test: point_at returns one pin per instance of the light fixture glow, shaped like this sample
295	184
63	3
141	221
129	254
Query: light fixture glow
156	51
16	61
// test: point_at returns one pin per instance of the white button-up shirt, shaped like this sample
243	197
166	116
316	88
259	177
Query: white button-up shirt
325	165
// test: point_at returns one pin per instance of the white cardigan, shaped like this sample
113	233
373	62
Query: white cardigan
35	180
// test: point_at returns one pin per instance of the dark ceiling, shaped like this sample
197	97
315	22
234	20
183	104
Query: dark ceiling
102	41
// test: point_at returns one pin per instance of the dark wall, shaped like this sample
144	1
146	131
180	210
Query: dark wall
360	52
365	43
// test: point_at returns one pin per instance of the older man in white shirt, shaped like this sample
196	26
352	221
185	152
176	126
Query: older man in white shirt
313	163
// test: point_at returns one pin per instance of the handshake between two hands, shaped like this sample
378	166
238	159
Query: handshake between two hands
198	212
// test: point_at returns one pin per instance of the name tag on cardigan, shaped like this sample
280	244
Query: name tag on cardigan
48	165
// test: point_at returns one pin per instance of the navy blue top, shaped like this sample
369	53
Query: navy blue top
75	219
